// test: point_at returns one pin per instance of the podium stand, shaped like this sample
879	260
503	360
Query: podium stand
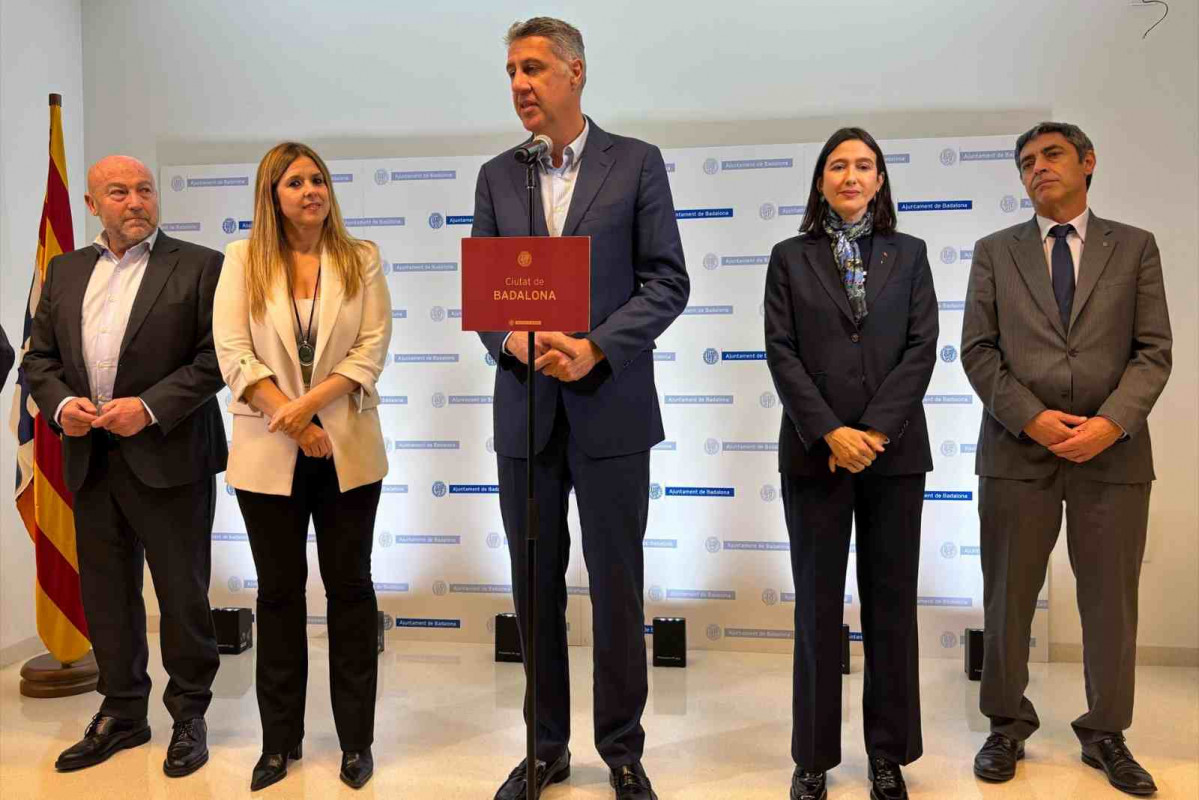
528	284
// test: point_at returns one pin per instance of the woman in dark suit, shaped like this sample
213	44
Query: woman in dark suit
851	334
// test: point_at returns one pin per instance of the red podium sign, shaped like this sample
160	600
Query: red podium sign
526	283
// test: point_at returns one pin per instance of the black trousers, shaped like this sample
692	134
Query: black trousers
613	502
121	524
820	511
278	531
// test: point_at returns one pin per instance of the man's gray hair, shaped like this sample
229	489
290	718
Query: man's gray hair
563	37
1073	133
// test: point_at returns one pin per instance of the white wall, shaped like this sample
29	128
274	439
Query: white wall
220	81
41	51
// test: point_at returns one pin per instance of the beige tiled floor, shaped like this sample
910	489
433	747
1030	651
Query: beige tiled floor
448	726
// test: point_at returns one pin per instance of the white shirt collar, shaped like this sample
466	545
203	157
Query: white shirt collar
1079	223
101	243
572	152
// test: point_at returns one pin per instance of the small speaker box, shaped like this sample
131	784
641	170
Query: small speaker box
234	629
974	654
507	638
670	642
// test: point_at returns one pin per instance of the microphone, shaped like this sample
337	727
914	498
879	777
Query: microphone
529	152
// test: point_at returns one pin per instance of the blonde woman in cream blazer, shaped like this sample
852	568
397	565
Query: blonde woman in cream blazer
302	324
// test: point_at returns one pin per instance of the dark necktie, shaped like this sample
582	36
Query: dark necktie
1062	263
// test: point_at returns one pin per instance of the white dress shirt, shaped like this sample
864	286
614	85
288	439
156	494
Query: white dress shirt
106	306
1076	239
558	187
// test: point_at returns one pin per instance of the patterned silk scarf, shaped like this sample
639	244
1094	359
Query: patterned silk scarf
844	236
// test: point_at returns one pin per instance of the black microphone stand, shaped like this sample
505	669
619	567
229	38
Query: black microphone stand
530	549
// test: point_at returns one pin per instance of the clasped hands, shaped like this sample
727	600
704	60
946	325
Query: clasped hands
294	418
1072	437
556	354
123	416
853	449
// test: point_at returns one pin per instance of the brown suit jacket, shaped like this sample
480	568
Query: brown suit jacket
1113	362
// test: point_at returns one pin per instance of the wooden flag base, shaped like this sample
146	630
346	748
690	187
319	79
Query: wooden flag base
46	676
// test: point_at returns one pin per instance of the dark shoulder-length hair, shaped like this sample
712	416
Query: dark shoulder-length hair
882	205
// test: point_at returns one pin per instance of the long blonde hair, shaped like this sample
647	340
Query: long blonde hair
270	256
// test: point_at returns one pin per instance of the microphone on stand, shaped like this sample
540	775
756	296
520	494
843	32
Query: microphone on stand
530	152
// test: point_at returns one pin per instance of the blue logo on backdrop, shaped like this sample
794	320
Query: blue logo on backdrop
949	157
494	540
949	550
949	448
1008	204
437	313
768	493
949	640
711	447
655	491
229	225
937	205
235	584
713	632
712	544
949	255
440	588
711	261
766	211
655	594
770	597
488	360
949	354
229	490
382	176
767	400
385	539
711	166
490	444
711	356
439	489
438	400
178	184
941	494
436	220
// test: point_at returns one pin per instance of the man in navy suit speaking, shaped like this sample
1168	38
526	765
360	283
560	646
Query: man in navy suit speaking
598	413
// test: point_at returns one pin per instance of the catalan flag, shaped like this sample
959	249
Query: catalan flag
42	498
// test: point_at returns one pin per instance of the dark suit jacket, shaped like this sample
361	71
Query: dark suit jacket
830	372
1020	360
167	359
7	357
639	285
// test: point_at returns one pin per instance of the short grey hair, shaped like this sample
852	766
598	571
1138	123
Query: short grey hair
564	38
1074	135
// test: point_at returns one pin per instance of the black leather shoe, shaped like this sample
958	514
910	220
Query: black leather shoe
555	772
1113	757
996	761
631	783
357	767
886	780
188	750
104	736
272	768
808	785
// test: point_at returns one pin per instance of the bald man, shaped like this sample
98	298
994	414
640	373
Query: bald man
121	359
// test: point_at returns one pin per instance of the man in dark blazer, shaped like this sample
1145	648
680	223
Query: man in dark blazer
597	406
7	357
1066	339
121	360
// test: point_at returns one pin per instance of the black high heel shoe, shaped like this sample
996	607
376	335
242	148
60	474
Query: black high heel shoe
272	767
357	767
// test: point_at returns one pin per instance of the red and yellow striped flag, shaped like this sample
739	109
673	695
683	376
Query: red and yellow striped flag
43	500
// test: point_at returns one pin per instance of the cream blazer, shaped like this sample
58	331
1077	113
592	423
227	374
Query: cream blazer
352	339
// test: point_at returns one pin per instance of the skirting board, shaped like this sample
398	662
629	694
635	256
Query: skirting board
21	651
1148	656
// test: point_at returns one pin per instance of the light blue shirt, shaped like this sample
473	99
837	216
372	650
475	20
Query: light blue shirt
558	184
107	304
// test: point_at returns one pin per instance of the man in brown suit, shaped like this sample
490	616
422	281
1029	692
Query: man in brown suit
1066	338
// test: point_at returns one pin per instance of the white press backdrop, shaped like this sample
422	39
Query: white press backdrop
716	549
